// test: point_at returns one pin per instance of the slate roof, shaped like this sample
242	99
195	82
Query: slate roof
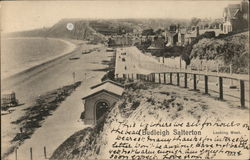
232	9
108	86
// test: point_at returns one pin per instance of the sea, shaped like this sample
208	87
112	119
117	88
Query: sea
21	53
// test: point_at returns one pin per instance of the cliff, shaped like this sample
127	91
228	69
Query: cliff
81	31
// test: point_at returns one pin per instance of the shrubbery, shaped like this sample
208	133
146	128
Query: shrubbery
231	50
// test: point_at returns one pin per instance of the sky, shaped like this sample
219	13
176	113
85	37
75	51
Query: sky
26	15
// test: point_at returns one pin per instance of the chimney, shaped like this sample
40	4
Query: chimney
197	31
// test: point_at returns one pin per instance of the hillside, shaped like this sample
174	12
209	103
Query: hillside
233	50
153	108
81	31
95	29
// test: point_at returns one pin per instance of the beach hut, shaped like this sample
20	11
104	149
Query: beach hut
8	99
101	97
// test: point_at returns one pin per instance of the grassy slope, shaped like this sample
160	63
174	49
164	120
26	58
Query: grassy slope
145	103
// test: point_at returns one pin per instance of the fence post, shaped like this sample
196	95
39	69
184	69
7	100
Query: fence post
242	94
195	87
159	78
164	76
15	153
45	154
31	157
132	77
221	88
170	78
185	80
153	77
206	84
128	77
178	79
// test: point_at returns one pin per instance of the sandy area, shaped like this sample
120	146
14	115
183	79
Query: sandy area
52	75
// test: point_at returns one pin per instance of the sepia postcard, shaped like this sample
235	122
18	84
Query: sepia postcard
111	79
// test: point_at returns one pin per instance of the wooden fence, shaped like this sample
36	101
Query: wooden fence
31	154
162	79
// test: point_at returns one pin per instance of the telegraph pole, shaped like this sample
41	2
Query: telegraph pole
74	77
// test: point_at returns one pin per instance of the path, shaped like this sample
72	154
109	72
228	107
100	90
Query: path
48	77
135	62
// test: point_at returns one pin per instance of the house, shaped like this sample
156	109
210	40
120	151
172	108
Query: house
235	17
171	36
176	35
120	40
157	44
208	25
181	36
102	97
191	35
8	99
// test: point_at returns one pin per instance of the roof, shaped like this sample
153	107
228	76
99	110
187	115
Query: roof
107	81
171	33
7	92
155	47
232	9
110	87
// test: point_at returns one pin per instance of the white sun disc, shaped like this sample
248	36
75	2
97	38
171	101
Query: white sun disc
70	26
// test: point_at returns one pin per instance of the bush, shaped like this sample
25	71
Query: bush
135	104
137	85
109	75
82	115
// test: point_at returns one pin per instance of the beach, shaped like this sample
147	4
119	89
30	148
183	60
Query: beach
48	76
22	53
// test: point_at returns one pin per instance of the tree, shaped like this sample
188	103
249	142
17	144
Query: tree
194	21
148	32
159	31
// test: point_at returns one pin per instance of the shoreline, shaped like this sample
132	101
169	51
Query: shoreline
46	77
71	47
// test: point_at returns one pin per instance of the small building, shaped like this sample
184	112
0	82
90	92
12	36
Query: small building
181	36
236	17
120	40
157	44
8	99
102	97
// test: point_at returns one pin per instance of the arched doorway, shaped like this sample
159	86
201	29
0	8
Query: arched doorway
101	108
